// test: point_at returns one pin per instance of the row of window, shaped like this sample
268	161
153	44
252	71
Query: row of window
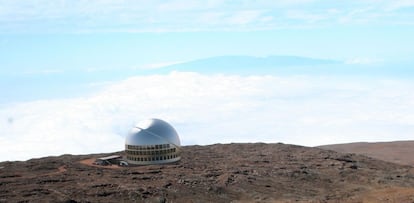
149	147
156	152
158	158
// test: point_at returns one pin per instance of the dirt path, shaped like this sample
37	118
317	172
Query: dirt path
61	169
393	194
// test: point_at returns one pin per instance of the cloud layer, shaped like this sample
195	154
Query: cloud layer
206	109
179	15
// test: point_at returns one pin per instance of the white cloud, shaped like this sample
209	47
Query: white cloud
177	6
158	65
364	61
208	109
399	4
181	16
307	17
245	17
43	72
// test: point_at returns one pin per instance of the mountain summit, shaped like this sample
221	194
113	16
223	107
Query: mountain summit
250	64
216	173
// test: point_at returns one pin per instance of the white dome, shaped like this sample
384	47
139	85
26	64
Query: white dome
153	141
153	132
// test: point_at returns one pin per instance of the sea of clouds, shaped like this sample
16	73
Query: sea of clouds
207	109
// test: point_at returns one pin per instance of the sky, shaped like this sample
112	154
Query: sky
76	75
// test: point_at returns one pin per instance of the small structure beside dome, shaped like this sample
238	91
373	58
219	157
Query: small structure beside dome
153	141
108	160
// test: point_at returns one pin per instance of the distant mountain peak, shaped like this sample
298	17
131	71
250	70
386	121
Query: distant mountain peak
249	64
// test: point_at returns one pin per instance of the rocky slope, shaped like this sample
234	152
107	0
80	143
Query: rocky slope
400	152
216	173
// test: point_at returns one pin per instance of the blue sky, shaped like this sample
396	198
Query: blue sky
104	34
94	68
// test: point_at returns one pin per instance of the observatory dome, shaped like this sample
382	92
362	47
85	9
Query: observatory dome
153	141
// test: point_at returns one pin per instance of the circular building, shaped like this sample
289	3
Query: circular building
153	141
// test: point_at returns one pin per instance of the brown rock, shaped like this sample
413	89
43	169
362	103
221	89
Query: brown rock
215	173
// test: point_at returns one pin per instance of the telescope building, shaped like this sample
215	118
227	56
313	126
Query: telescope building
153	141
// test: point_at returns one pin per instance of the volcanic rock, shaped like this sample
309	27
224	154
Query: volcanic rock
216	173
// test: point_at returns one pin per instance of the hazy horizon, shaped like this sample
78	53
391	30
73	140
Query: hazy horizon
75	76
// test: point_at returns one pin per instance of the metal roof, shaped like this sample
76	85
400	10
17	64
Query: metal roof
153	132
109	157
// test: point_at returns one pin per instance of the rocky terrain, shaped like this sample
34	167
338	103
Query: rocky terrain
400	152
215	173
